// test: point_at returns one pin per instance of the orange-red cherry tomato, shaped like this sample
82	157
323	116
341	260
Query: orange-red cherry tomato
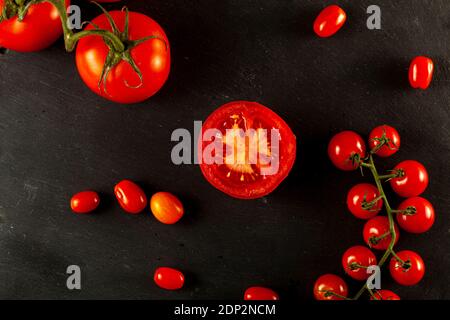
169	278
166	207
329	21
260	293
421	72
131	197
85	201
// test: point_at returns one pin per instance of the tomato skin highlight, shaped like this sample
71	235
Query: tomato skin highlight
329	21
421	72
413	183
385	295
377	227
419	222
407	276
84	201
332	283
123	84
40	28
130	196
169	278
389	149
166	207
359	255
343	146
355	198
260	293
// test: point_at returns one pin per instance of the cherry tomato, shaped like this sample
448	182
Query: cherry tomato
355	259
122	84
384	132
409	273
361	195
40	28
85	201
329	21
421	72
260	293
230	160
421	220
169	278
131	197
345	149
385	295
414	179
328	284
378	227
166	207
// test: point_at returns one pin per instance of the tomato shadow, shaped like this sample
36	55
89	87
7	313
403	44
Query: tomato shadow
107	203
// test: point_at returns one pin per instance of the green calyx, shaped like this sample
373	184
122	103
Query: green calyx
16	8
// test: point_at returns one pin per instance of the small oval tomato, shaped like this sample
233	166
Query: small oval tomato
166	207
360	198
346	149
329	21
131	197
169	278
421	72
411	271
388	136
85	201
260	293
356	260
376	233
384	295
330	287
422	217
40	28
413	180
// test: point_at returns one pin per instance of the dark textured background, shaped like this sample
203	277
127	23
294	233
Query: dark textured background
57	138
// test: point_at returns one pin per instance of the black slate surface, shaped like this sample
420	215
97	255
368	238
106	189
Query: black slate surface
57	138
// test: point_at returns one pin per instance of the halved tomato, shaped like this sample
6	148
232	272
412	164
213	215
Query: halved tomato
246	150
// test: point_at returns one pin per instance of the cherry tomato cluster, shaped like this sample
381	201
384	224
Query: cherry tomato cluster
409	179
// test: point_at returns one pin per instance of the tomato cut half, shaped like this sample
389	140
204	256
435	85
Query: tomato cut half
246	150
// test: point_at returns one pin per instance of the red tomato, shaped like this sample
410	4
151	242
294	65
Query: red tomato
421	220
260	293
131	197
355	259
413	180
421	72
85	201
360	195
169	278
385	295
247	149
40	28
123	84
384	132
328	284
411	272
377	227
329	21
346	149
166	207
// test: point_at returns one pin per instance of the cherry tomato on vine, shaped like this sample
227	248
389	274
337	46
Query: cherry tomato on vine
85	201
389	135
376	233
421	72
328	284
329	21
166	207
413	180
260	293
359	200
356	260
39	29
131	197
409	273
122	84
346	149
422	217
169	278
385	295
230	160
